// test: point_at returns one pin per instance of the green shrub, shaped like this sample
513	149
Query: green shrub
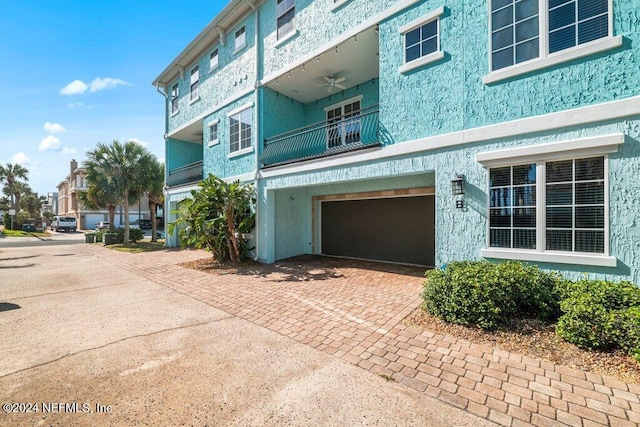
135	234
99	235
485	294
600	315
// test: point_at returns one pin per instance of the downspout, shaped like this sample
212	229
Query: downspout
258	110
164	187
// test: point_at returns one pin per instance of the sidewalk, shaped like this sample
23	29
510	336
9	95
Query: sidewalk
354	310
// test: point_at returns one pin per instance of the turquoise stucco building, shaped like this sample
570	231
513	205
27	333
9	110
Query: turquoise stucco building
419	132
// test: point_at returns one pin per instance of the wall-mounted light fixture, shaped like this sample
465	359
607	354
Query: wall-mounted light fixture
457	189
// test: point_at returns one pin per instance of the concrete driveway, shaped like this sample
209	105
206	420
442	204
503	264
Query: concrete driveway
86	341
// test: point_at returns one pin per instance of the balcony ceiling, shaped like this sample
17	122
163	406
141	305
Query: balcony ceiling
357	61
192	132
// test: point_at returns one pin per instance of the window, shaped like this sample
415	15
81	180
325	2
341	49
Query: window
240	130
174	98
421	39
565	212
213	133
195	79
285	11
213	59
343	123
241	40
518	28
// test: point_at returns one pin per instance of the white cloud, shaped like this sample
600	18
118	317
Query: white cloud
137	141
107	83
76	87
74	104
54	127
161	160
69	150
22	159
49	143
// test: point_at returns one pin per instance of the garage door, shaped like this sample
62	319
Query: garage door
393	229
91	220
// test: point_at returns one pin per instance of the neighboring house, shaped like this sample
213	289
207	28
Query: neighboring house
50	205
362	122
68	202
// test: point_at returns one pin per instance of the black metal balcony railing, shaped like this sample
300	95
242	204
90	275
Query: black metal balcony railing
191	173
354	131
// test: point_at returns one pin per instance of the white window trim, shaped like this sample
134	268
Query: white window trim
241	152
175	113
337	5
197	98
239	109
546	59
294	30
343	103
211	70
427	59
177	86
286	38
580	148
216	122
244	43
556	58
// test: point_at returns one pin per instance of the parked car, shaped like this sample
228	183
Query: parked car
102	225
145	224
64	223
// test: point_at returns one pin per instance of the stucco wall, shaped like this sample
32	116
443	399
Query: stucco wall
235	74
181	153
216	158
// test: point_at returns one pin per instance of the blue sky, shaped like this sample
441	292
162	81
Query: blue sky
79	72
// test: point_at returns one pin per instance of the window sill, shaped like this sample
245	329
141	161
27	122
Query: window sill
211	70
286	38
194	100
240	152
337	5
175	113
576	52
214	142
239	48
598	260
421	62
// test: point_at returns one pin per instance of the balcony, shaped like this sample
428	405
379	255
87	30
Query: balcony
189	174
349	132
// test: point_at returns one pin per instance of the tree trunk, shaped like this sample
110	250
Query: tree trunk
112	216
125	243
152	213
234	251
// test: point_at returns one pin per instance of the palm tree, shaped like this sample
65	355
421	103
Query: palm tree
121	167
100	195
11	175
153	185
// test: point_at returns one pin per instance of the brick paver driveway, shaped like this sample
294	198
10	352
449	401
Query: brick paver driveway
353	310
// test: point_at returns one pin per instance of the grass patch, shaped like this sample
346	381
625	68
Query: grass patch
139	247
20	233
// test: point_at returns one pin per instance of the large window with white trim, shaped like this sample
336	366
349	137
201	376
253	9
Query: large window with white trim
240	130
522	30
285	12
549	206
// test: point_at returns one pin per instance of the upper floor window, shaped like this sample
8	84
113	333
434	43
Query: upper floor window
421	39
240	130
285	11
195	82
174	98
241	39
522	30
213	133
213	59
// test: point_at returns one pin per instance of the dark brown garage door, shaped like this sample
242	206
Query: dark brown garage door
393	229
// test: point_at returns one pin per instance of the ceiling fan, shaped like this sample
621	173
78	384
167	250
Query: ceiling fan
332	82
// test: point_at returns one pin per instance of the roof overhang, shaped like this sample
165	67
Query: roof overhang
216	30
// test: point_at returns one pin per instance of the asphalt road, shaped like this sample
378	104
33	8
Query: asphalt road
85	343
